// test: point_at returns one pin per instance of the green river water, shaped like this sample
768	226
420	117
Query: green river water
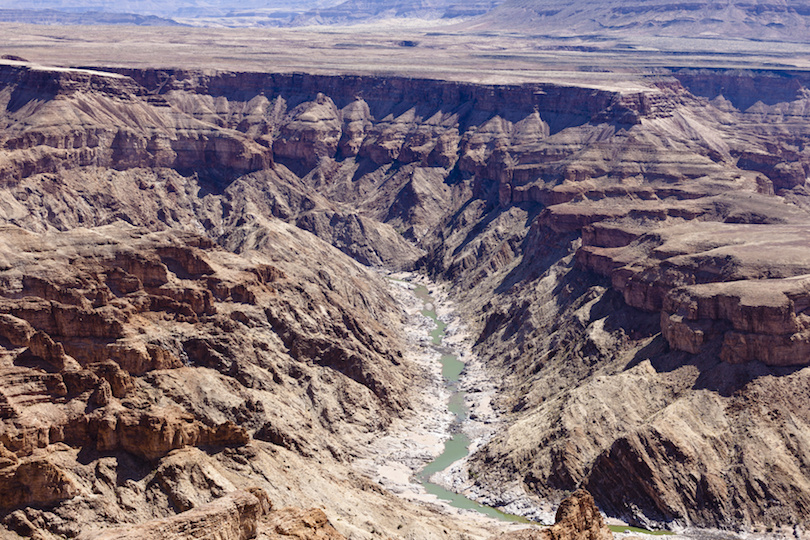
457	447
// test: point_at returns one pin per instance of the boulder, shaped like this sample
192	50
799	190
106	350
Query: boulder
577	518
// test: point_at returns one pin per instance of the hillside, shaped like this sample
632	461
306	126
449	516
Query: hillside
54	17
188	300
353	11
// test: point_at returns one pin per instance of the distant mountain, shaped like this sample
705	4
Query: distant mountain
783	20
358	10
753	19
168	8
238	13
51	16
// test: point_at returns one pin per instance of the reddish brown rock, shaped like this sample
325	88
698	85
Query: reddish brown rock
197	364
313	132
300	524
44	347
577	518
120	381
356	121
236	516
16	330
705	279
761	320
154	434
35	480
7	457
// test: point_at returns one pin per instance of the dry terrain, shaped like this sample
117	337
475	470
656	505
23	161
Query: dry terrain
193	320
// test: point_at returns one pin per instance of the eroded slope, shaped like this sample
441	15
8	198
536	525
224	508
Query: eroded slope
613	247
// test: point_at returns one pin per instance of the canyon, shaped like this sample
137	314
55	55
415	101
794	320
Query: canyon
784	21
195	319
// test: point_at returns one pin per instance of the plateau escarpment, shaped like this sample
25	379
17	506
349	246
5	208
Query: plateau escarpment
630	258
695	243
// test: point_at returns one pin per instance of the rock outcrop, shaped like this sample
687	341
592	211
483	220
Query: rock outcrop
740	284
577	518
33	481
235	516
309	524
122	344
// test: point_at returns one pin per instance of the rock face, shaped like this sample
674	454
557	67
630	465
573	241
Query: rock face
593	390
707	282
577	518
309	524
174	311
136	345
34	481
240	515
235	516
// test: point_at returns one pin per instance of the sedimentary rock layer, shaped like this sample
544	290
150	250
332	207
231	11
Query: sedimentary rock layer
631	258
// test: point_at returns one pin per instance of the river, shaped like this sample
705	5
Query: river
457	447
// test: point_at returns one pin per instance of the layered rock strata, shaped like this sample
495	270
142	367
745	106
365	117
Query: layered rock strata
738	283
123	350
240	515
235	516
630	256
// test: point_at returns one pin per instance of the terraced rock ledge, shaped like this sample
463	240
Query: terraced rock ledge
190	303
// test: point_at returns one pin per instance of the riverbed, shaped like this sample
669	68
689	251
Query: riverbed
456	448
422	457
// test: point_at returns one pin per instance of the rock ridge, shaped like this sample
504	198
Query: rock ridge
235	516
577	518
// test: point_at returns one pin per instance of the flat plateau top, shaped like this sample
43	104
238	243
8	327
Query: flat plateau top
436	52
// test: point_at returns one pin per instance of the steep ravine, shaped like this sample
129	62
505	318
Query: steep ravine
471	388
463	432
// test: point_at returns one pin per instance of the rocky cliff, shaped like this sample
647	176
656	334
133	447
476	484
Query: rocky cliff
174	307
236	516
119	342
639	295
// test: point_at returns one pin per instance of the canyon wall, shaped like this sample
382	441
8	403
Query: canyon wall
631	258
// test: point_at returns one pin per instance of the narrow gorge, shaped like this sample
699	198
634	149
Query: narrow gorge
458	441
193	299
